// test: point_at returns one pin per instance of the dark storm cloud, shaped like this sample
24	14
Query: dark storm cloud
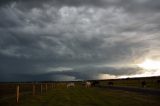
40	3
76	39
131	6
84	73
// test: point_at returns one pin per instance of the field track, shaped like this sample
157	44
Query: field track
135	89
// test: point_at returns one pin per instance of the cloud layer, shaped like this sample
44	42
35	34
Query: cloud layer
76	39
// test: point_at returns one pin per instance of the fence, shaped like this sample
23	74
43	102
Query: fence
16	90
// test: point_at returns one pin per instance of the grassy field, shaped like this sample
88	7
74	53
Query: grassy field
84	97
59	95
151	82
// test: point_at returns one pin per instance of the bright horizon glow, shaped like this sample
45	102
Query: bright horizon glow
149	68
149	64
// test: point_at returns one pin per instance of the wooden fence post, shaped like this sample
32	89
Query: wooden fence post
33	90
52	85
17	93
46	87
41	88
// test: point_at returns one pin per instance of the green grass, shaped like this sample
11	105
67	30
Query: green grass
150	82
85	97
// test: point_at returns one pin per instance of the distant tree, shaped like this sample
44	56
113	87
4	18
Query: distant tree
95	83
110	83
143	83
158	83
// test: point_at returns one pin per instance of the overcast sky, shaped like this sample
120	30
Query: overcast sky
77	39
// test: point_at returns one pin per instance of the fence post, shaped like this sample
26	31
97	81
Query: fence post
46	87
33	90
52	85
41	88
17	93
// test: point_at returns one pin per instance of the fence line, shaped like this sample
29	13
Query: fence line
42	87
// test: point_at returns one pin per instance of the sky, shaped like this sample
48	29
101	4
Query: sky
78	39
